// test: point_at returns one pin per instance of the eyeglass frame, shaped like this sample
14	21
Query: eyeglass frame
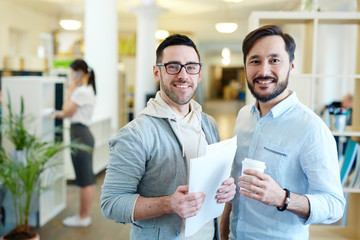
181	66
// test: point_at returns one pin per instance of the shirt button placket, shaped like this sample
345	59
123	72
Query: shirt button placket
255	139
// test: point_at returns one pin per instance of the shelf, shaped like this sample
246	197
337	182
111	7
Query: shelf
101	130
46	112
100	167
329	232
346	134
100	158
351	190
52	200
102	143
39	96
340	76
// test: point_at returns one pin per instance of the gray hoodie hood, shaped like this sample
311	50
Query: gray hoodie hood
157	107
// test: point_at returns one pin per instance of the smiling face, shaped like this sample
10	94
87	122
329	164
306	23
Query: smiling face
267	69
177	90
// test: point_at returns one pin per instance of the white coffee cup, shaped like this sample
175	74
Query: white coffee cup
248	163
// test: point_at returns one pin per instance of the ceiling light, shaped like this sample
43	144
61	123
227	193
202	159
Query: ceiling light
161	34
69	24
225	53
232	1
226	27
225	61
147	2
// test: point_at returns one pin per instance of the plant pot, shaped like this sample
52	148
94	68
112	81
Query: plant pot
19	155
13	235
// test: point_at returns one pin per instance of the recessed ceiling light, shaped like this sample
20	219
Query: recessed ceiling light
225	61
232	1
161	34
226	27
225	53
69	24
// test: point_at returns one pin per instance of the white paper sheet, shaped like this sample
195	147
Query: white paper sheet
206	175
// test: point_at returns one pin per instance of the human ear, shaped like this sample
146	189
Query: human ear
156	73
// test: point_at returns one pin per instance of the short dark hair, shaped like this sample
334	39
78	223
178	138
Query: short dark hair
176	39
268	30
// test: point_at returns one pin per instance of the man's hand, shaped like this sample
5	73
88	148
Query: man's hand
186	204
227	193
262	188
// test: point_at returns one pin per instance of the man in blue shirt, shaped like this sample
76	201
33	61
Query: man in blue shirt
301	182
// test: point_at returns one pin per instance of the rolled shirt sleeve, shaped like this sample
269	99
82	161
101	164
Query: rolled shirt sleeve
320	164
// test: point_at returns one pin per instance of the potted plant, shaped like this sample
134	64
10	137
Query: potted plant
21	171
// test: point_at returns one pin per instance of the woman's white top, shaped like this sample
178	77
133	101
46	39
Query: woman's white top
84	97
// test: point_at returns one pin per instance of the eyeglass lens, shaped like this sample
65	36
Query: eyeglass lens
175	68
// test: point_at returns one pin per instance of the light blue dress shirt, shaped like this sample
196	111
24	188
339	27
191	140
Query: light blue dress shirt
300	155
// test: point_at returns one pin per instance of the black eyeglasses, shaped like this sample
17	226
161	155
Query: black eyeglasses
175	68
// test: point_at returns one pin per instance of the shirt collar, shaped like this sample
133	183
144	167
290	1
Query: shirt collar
279	108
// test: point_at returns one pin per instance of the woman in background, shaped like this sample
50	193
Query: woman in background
78	106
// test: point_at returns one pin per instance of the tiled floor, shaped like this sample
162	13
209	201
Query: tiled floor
100	229
224	113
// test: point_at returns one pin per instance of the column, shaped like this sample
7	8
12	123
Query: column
101	53
147	15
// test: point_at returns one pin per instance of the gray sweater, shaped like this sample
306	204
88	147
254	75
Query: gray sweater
146	158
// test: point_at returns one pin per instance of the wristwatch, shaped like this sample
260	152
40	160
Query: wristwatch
287	201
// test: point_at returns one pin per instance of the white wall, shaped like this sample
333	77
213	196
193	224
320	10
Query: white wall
341	39
67	39
340	60
26	23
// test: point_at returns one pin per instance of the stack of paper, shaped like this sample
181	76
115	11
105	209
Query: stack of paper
206	175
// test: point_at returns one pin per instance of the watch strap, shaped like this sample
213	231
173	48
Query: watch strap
287	201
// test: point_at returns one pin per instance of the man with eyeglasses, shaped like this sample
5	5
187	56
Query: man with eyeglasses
147	175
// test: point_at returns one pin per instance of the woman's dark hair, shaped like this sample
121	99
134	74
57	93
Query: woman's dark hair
268	30
176	39
80	64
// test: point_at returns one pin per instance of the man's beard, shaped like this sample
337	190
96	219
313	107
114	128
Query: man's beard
173	96
280	87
